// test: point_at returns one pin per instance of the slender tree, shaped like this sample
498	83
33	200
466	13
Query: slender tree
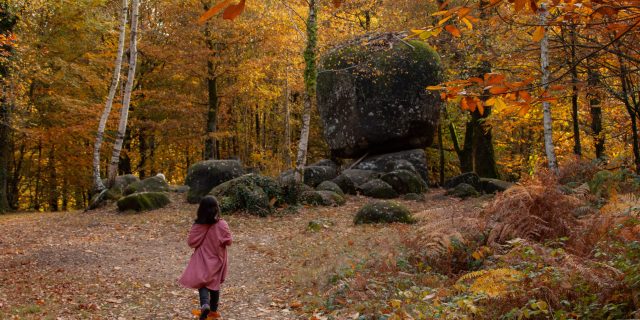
310	77
97	180
124	112
544	66
7	22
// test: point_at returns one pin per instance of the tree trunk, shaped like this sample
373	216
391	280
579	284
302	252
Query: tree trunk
310	77
124	113
5	153
546	106
441	153
8	23
596	113
287	121
97	180
37	193
212	114
577	147
53	180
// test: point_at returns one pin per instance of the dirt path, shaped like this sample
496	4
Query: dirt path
105	265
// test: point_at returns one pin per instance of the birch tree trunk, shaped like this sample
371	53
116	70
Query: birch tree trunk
124	112
546	106
310	77
287	125
97	180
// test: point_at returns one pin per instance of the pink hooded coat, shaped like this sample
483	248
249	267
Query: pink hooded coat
208	264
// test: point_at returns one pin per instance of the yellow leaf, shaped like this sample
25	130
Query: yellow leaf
441	22
441	13
213	11
467	23
500	105
395	303
490	102
435	88
538	34
425	35
453	30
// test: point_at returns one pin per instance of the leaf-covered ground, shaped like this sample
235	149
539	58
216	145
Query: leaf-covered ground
105	265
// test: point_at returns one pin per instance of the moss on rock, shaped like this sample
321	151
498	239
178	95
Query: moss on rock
330	186
463	191
322	198
379	189
253	192
383	211
143	201
404	182
152	184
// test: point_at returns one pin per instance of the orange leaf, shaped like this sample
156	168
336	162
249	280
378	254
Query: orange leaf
534	5
498	90
519	4
538	34
444	5
463	12
337	3
233	11
453	30
493	78
480	108
524	109
434	88
557	87
524	95
213	11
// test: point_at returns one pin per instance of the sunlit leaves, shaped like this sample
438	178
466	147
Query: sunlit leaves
231	11
213	11
538	34
453	30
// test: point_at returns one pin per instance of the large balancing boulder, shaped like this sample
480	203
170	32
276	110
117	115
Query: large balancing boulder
143	201
255	193
205	175
372	95
383	211
151	184
398	160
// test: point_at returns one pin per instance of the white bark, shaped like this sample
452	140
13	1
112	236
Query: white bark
546	106
97	180
124	112
309	92
287	120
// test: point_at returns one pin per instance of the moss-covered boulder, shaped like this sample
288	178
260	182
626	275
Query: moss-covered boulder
388	162
151	184
313	175
372	98
253	192
470	178
322	198
205	175
350	179
463	191
383	211
377	188
404	181
488	185
330	186
143	201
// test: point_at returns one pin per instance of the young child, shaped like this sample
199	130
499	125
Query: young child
207	268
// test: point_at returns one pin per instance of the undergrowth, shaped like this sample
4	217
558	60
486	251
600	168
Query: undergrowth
530	254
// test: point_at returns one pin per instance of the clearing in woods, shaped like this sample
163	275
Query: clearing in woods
105	265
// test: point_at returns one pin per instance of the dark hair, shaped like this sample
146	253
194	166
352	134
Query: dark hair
208	211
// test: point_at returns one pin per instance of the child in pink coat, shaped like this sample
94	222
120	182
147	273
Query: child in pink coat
207	268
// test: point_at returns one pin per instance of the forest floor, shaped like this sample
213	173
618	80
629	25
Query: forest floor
107	265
